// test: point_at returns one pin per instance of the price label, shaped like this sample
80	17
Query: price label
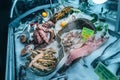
87	33
104	73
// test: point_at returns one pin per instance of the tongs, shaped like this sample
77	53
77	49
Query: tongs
111	51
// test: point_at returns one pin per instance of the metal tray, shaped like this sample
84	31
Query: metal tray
11	70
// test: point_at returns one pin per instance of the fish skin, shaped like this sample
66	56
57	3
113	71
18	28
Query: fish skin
52	35
107	54
85	50
113	59
78	24
85	23
111	50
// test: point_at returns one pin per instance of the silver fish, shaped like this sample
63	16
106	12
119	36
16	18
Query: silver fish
109	51
113	59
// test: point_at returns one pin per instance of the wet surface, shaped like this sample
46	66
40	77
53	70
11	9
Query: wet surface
4	17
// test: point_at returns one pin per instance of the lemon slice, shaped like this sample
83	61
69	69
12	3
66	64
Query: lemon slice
63	24
44	14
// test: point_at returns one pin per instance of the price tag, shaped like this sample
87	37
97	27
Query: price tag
87	33
104	73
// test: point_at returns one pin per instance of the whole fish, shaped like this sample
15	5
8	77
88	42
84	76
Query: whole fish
111	50
108	52
87	49
78	24
113	59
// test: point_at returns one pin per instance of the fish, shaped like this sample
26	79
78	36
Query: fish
85	50
108	52
111	50
113	59
78	24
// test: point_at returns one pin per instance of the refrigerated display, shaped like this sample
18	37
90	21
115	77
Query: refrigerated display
64	40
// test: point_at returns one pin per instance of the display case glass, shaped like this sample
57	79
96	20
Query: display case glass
64	39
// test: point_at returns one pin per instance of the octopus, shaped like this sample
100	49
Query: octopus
48	24
43	34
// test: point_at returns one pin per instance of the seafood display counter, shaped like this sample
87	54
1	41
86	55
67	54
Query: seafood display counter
62	43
